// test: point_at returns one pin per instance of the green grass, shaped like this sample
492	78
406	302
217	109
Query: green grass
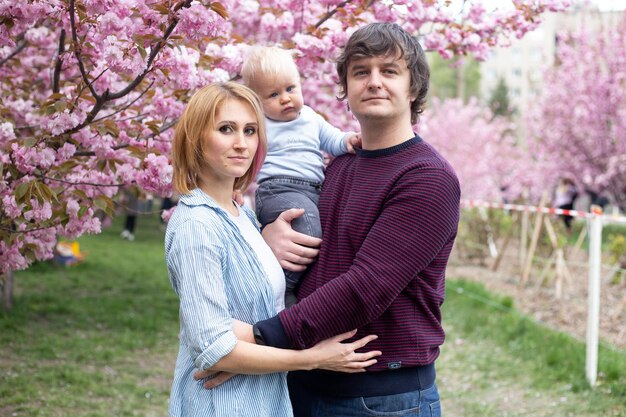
96	339
504	347
100	339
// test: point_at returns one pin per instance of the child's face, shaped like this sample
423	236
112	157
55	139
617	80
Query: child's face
281	96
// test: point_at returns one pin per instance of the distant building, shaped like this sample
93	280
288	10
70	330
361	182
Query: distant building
522	64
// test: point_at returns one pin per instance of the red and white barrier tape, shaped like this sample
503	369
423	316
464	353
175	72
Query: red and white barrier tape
545	210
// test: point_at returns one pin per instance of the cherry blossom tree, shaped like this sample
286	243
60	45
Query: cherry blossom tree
90	89
482	148
578	127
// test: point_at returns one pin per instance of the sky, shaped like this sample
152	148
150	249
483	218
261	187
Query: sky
603	5
606	5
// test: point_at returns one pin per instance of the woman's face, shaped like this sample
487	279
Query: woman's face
231	145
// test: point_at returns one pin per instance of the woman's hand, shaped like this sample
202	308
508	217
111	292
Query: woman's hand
332	355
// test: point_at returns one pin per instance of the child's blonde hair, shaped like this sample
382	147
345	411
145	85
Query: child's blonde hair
267	61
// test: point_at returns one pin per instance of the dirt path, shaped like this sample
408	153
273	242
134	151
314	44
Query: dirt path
538	300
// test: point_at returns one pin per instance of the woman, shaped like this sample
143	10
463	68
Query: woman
224	273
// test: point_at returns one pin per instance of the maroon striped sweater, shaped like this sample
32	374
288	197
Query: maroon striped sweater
389	220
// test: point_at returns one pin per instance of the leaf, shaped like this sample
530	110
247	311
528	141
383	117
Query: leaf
29	142
142	51
105	204
112	128
162	9
20	191
219	9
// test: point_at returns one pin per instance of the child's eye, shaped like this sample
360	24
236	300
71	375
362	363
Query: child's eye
273	95
291	88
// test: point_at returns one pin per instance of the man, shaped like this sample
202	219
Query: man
389	217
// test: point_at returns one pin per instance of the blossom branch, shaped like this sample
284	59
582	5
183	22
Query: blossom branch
21	44
332	13
59	63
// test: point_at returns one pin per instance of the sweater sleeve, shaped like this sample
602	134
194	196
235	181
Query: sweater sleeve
418	219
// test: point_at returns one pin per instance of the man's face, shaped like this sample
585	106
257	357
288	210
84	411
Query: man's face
379	88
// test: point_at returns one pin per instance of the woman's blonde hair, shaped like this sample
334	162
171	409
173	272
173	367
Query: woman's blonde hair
199	115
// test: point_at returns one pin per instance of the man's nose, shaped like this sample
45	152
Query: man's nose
374	80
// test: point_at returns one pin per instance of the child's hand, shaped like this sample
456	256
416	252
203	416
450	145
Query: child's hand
353	141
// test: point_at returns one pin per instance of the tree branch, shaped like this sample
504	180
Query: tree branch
56	77
21	44
78	55
331	13
82	183
153	53
107	95
126	145
127	105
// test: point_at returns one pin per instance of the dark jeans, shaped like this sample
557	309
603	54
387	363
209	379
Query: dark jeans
277	194
419	403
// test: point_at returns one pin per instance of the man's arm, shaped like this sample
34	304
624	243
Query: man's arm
418	220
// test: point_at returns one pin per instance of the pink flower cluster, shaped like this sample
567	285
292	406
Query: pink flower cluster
89	103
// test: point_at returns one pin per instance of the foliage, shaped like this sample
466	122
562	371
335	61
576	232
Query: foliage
445	77
90	89
499	102
578	127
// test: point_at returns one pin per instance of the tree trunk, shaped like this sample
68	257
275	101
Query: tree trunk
7	290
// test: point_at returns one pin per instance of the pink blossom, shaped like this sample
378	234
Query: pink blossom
39	212
6	132
10	207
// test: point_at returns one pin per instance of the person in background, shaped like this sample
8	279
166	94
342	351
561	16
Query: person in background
565	197
292	174
223	272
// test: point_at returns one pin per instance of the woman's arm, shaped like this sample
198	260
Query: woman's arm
329	354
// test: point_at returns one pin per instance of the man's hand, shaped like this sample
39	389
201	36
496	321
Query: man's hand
294	250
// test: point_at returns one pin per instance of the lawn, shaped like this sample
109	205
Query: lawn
100	339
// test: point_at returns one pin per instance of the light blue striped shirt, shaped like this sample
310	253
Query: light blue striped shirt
217	276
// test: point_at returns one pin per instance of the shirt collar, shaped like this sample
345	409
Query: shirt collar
197	197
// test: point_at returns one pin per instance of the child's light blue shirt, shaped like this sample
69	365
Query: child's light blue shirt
293	148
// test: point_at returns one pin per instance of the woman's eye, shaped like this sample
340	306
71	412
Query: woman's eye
249	131
225	129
